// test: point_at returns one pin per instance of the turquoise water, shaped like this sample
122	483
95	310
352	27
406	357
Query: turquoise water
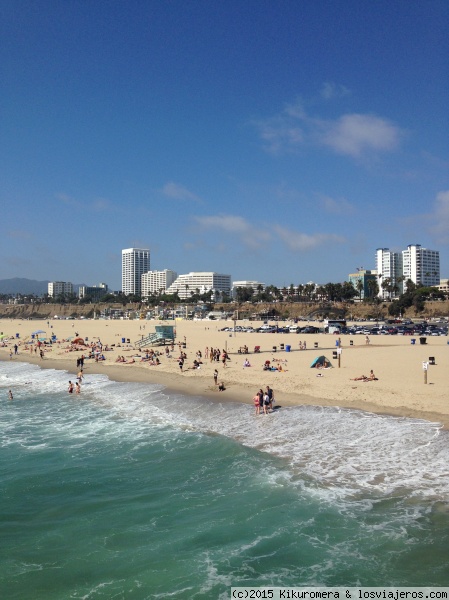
129	492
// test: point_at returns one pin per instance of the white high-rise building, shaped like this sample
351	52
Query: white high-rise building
420	265
157	281
388	267
135	262
188	284
58	288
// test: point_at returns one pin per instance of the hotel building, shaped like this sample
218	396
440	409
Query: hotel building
155	282
135	262
204	281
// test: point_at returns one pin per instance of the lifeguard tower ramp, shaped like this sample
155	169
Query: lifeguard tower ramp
163	334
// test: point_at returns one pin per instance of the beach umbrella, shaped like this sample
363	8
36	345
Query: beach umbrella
3	335
38	331
78	340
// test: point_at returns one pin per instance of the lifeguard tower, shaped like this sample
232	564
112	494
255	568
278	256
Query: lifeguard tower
163	334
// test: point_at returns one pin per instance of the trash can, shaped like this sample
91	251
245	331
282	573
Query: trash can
287	348
334	354
431	360
123	340
423	340
32	336
17	335
351	342
412	341
281	346
315	345
275	348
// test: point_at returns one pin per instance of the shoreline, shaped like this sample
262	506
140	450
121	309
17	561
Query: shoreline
399	391
175	383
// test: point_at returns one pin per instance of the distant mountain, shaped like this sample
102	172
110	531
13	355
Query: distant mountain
19	285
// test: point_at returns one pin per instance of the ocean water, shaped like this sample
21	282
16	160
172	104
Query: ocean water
129	492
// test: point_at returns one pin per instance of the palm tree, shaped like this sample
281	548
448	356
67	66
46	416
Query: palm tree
373	288
359	287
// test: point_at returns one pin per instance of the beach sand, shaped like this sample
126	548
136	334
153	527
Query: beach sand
400	390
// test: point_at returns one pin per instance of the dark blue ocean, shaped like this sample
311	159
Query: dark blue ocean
130	492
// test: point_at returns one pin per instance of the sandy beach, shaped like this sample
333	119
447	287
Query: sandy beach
397	363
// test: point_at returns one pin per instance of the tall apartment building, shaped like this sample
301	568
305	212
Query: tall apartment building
388	266
157	281
205	281
57	288
135	262
421	265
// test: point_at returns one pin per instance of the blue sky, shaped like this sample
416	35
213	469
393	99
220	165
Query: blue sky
278	141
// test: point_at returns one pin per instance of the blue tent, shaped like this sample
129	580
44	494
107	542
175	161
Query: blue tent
321	360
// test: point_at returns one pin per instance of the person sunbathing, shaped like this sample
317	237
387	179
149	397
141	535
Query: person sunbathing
371	376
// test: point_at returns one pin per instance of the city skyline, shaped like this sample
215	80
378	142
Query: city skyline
281	143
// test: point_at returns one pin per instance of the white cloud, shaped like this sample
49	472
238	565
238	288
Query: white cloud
330	90
178	192
350	134
336	206
296	241
357	134
227	223
257	235
279	134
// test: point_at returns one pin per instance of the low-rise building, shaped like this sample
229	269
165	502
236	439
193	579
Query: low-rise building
157	282
201	282
59	288
93	292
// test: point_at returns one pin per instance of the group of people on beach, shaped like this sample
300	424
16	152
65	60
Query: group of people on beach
263	401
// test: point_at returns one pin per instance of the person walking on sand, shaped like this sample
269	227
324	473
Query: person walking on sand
216	377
